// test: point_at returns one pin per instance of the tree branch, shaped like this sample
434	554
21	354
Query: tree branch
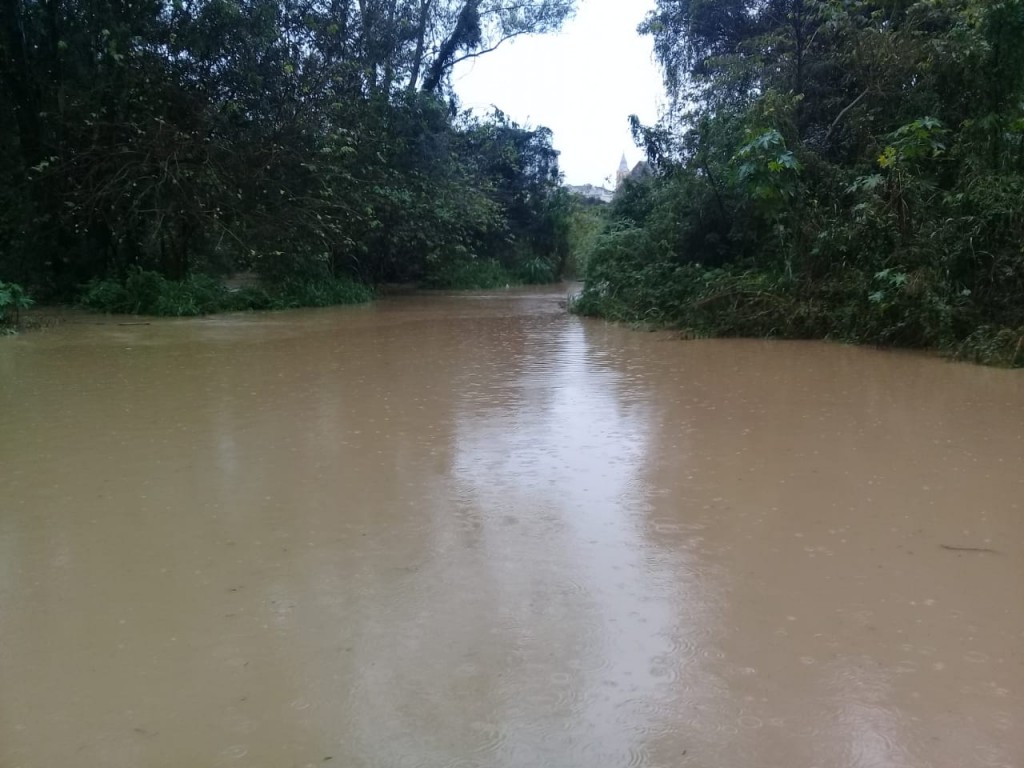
474	54
846	109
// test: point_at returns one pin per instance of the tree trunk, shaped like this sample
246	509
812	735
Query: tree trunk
17	76
466	31
421	40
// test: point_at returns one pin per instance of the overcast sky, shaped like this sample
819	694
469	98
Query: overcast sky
582	83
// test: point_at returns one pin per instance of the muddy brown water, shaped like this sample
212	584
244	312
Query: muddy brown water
475	531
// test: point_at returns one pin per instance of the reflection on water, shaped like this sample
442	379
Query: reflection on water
474	531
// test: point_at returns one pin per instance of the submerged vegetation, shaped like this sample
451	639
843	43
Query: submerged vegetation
846	170
152	148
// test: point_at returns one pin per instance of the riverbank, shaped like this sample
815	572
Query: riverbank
183	301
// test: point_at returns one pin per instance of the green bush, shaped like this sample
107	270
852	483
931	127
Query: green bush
149	293
992	346
13	299
196	295
469	274
810	275
586	223
105	295
536	271
630	280
322	292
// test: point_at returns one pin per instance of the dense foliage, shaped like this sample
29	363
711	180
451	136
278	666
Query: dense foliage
830	168
305	141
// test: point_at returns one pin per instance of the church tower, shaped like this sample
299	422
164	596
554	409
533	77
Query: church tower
623	172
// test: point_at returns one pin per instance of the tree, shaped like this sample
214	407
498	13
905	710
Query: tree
831	168
467	29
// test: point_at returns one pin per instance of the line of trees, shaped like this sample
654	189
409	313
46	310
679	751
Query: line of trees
830	168
289	137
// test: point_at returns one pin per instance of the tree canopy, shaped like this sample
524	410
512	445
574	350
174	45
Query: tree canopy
285	136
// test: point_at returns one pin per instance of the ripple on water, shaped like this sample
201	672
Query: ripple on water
875	744
710	653
989	755
637	756
665	668
591	661
234	752
682	646
549	701
490	737
672	526
1004	721
906	666
750	721
651	717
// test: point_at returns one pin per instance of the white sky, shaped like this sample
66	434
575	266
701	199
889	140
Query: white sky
582	83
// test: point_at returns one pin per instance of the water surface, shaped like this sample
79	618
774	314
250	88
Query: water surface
474	531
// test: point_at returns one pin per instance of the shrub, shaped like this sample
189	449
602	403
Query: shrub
992	346
470	274
13	299
322	292
536	271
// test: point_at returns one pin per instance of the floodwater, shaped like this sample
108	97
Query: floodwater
456	531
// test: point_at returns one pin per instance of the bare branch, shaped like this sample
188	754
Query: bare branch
474	54
846	109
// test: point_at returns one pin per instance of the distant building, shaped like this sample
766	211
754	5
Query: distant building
590	192
623	173
641	170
